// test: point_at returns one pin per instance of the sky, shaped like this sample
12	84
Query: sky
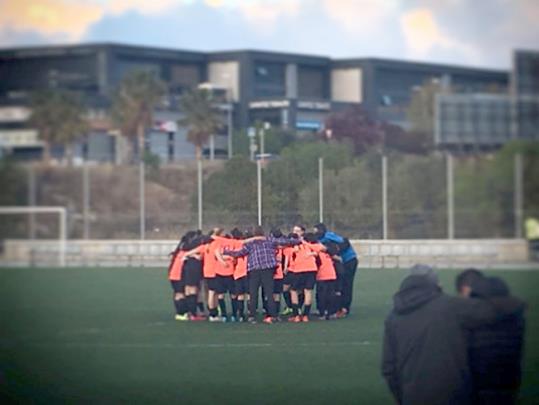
466	32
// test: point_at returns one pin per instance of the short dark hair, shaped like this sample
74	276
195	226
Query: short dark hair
488	287
236	233
258	231
467	278
300	227
276	233
310	237
321	227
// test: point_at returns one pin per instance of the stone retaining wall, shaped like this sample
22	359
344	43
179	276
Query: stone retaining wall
371	253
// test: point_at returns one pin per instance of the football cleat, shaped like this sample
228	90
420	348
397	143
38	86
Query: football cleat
183	317
342	313
286	311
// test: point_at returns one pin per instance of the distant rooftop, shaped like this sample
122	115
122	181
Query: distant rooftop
213	55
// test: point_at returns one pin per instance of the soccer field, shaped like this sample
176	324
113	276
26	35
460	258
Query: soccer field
108	336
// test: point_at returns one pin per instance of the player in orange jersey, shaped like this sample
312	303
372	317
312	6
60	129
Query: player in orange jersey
175	270
303	270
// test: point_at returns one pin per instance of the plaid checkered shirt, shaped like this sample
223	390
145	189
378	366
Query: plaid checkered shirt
261	253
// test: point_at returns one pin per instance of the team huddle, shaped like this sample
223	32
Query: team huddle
204	269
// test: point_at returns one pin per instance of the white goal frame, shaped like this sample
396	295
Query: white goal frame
62	222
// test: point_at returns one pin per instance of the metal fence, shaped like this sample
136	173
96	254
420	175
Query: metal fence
373	197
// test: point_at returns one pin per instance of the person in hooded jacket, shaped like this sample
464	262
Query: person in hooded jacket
495	350
425	359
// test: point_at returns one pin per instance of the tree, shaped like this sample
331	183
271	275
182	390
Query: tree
400	140
201	118
421	111
58	115
230	194
134	102
355	125
275	140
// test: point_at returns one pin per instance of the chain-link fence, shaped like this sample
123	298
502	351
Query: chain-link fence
414	197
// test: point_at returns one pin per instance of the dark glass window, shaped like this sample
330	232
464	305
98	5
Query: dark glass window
269	79
311	83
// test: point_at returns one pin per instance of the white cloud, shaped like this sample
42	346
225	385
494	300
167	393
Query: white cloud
151	7
264	15
69	18
361	16
423	35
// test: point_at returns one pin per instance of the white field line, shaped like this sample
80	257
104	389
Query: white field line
188	346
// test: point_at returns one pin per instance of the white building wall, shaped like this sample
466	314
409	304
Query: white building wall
346	85
227	75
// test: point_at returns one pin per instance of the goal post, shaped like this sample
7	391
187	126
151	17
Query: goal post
62	222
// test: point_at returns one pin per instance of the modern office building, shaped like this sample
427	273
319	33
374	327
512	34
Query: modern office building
385	87
290	91
94	70
488	120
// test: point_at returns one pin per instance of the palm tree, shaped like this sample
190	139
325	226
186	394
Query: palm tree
58	116
134	102
201	117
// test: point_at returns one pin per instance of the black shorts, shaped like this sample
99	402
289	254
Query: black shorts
224	284
287	278
241	286
303	281
277	286
211	283
192	273
177	285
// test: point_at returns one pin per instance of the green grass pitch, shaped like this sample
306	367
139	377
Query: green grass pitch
108	336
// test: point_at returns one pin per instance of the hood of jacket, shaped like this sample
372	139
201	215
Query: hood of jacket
414	292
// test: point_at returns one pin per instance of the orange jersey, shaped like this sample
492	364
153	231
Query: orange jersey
208	255
222	244
279	275
240	266
326	271
288	253
304	258
176	266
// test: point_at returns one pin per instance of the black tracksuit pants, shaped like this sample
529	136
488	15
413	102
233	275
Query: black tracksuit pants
350	268
261	278
326	298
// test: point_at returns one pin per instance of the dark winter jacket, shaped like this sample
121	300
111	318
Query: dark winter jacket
495	350
425	349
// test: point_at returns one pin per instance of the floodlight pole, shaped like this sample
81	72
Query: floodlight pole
518	194
229	126
199	194
321	189
450	197
142	200
259	189
384	197
86	200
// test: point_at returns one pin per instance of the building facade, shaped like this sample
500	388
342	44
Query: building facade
488	120
290	91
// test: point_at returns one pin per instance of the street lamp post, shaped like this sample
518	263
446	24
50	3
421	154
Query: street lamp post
229	126
265	127
251	133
